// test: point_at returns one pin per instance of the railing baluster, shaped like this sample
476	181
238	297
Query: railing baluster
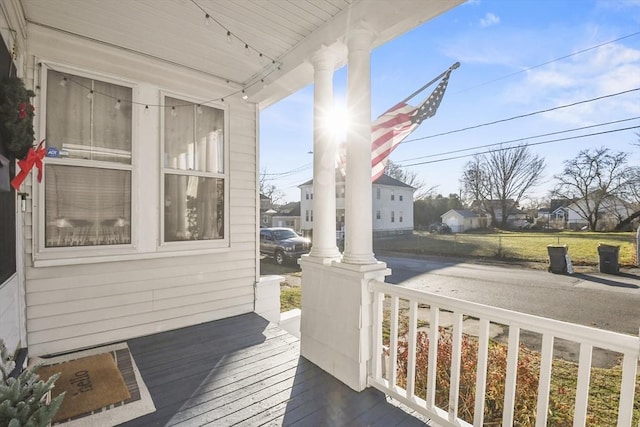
454	380
582	388
512	370
587	337
544	381
411	351
378	357
481	372
393	342
629	372
434	334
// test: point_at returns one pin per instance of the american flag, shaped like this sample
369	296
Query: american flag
392	127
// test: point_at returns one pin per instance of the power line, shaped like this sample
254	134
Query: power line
519	139
549	62
527	145
624	92
289	172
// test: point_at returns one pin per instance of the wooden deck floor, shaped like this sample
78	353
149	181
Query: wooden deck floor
244	371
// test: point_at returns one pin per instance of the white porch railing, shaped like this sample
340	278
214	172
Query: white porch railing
383	375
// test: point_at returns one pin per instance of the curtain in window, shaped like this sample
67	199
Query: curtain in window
87	206
194	208
85	124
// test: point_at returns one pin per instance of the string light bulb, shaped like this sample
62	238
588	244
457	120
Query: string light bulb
206	19
118	105
146	110
173	112
229	40
90	94
199	109
246	49
63	82
261	59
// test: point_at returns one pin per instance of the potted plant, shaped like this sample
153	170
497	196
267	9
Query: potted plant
25	398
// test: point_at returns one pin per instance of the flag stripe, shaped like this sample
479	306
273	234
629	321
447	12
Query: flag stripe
394	125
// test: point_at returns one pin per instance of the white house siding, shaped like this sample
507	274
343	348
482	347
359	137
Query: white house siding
387	207
149	289
381	227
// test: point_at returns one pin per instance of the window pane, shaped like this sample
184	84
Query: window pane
112	123
178	135
194	137
210	137
68	112
193	208
87	206
85	126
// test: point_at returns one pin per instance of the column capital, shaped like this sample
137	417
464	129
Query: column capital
323	59
361	37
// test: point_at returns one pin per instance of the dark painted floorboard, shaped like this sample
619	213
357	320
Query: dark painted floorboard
244	371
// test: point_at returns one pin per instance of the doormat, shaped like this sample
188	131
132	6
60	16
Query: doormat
89	383
117	389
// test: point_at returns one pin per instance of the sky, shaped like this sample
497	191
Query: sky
517	57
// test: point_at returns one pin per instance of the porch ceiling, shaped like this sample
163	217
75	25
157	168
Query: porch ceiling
286	32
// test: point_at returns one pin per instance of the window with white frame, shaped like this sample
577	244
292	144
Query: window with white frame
193	172
400	216
393	195
393	216
87	186
400	197
378	215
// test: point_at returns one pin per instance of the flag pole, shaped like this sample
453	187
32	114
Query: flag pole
453	67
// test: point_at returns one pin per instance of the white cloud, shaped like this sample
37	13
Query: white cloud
489	20
611	69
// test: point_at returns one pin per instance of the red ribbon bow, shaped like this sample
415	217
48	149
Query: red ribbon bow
34	157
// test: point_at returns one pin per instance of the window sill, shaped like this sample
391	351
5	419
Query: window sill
132	256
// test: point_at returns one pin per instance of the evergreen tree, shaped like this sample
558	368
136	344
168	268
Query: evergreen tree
23	399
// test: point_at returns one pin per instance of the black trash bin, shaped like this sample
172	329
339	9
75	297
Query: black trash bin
608	258
557	259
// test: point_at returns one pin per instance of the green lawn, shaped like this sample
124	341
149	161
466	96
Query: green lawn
521	246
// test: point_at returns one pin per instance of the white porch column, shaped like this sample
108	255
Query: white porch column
337	312
324	154
358	247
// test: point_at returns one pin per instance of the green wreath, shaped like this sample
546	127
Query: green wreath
16	117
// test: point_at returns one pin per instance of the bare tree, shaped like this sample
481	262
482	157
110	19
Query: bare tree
501	178
632	193
269	190
475	181
410	178
591	178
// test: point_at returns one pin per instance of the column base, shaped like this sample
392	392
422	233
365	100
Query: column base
327	255
336	318
359	259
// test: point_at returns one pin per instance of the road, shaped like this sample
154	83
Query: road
605	301
590	298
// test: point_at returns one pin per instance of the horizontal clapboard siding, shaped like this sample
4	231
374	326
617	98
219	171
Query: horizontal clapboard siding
76	306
